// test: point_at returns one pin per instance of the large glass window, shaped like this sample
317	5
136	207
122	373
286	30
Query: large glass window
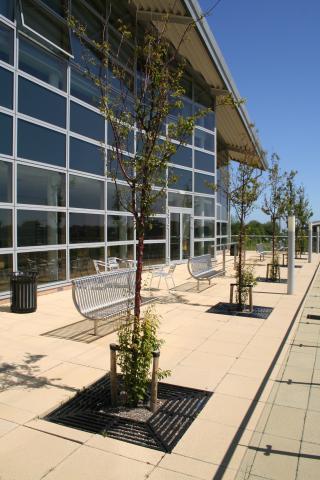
125	252
204	161
86	193
154	253
85	122
43	23
50	265
204	140
204	206
120	228
83	88
183	156
5	271
207	121
180	179
5	134
41	144
42	64
81	260
179	200
5	182
39	102
118	196
6	44
204	228
37	186
6	90
156	229
37	228
86	157
5	228
203	247
86	228
7	8
204	183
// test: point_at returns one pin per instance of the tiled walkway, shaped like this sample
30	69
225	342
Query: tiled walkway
286	441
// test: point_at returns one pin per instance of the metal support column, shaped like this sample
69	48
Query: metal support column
291	254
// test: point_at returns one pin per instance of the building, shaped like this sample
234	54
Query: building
58	211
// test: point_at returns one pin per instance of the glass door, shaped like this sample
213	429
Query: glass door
180	236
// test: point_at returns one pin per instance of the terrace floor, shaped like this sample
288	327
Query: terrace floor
240	359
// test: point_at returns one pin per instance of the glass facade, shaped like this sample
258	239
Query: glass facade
58	209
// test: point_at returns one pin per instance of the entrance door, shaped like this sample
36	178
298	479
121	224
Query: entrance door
180	236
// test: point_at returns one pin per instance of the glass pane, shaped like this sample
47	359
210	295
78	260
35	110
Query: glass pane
183	179
113	166
40	228
5	228
204	228
42	64
120	228
50	265
92	23
128	143
86	228
175	236
81	260
5	182
156	229
179	200
45	24
204	206
6	90
6	44
5	271
83	88
39	102
204	161
85	122
204	140
5	134
183	156
204	183
202	248
86	193
154	253
207	121
159	205
125	252
86	157
58	6
41	187
186	235
7	9
49	147
118	197
224	227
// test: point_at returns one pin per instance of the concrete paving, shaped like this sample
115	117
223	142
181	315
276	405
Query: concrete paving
228	355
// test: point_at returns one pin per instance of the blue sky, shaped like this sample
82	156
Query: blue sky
272	50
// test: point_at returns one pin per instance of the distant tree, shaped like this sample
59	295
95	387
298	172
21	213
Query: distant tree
303	213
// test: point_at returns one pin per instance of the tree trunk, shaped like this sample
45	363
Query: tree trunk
273	241
240	265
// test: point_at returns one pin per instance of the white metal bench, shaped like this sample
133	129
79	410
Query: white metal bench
261	251
201	268
104	295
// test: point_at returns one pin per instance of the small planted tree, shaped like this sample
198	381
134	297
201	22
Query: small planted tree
274	206
303	213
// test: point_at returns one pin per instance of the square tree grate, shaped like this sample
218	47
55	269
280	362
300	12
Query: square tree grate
91	411
223	308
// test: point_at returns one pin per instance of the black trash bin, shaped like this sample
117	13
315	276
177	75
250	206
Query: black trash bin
23	292
233	249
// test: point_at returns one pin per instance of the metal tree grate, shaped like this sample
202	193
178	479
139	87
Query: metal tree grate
91	411
223	308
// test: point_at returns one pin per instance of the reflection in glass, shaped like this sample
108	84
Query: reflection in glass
5	182
35	228
156	229
86	157
183	156
125	252
50	146
204	161
6	90
180	179
204	140
81	260
203	247
42	64
38	186
86	227
86	193
5	134
120	228
204	183
186	235
40	103
6	44
50	265
118	197
175	236
203	228
5	228
7	8
154	253
86	122
127	144
5	271
207	121
204	206
83	88
179	200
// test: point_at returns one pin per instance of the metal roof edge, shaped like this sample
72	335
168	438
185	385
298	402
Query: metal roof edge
216	54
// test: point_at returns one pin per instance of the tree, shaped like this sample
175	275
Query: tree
143	105
274	205
303	213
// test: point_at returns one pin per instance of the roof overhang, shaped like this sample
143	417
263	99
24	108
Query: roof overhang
236	137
